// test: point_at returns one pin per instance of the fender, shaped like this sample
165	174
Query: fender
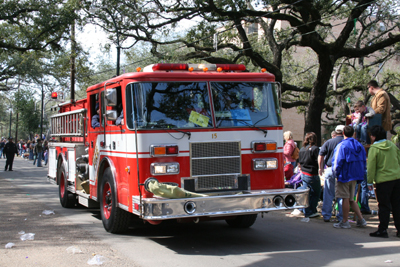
63	160
104	163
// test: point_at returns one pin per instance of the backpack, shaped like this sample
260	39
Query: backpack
295	154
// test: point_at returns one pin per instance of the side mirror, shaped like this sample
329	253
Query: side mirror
111	115
111	97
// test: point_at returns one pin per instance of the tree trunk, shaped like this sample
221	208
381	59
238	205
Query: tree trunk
317	97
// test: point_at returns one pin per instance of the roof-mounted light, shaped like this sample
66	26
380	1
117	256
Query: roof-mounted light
169	67
202	67
232	67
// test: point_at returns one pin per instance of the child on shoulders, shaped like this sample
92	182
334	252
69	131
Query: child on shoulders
359	121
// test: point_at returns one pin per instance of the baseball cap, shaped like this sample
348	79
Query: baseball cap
339	129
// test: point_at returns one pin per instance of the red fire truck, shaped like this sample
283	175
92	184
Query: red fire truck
209	129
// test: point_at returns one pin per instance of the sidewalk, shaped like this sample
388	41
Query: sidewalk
22	211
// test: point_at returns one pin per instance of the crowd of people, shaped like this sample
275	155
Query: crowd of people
342	162
35	150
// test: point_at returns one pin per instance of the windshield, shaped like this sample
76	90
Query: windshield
245	104
168	105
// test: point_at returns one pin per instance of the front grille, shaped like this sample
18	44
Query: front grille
215	165
216	182
215	149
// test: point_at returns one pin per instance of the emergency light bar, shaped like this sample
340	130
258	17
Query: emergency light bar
194	67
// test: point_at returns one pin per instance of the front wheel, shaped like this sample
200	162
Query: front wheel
242	221
115	220
67	199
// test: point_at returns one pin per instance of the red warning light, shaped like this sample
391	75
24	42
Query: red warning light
54	95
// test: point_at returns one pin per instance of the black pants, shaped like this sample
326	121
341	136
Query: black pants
388	196
9	162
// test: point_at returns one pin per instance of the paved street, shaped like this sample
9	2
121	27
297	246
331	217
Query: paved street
277	239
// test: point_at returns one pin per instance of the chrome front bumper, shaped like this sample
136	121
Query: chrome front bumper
223	205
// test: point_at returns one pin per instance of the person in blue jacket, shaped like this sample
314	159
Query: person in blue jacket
96	117
348	164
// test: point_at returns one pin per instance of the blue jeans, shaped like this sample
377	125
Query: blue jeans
361	131
329	196
314	183
39	159
1	152
363	197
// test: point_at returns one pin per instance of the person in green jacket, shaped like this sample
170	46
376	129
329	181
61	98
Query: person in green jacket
383	169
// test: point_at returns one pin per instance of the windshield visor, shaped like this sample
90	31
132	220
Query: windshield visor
245	104
168	105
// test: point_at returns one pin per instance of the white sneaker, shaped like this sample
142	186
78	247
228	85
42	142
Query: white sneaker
314	215
296	212
361	223
343	225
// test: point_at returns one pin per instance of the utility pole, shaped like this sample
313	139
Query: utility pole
41	116
73	51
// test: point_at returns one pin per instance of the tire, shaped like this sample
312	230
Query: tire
67	199
242	221
115	220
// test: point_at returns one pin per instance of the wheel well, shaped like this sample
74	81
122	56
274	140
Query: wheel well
103	165
59	163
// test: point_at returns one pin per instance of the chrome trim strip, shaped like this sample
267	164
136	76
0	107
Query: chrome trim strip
67	145
222	157
209	175
223	205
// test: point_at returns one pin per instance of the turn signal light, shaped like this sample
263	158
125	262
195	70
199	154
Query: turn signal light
260	147
271	146
263	146
172	150
159	150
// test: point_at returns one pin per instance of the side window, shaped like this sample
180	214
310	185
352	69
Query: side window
94	102
103	109
129	106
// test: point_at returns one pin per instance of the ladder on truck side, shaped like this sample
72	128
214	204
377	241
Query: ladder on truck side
68	124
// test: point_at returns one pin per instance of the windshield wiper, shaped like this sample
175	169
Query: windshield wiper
167	126
248	124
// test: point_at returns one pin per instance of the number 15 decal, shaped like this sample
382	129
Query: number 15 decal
214	136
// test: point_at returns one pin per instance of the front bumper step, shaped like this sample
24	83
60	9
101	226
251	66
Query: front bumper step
223	205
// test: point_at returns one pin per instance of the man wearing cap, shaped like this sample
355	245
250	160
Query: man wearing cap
325	160
10	149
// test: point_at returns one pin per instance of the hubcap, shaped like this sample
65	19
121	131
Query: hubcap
62	185
107	200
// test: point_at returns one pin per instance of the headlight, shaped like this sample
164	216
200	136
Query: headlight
164	168
265	164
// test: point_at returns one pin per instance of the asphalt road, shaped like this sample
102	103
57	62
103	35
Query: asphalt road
278	239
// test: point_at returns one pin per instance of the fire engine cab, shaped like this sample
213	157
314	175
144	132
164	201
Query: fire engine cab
213	132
